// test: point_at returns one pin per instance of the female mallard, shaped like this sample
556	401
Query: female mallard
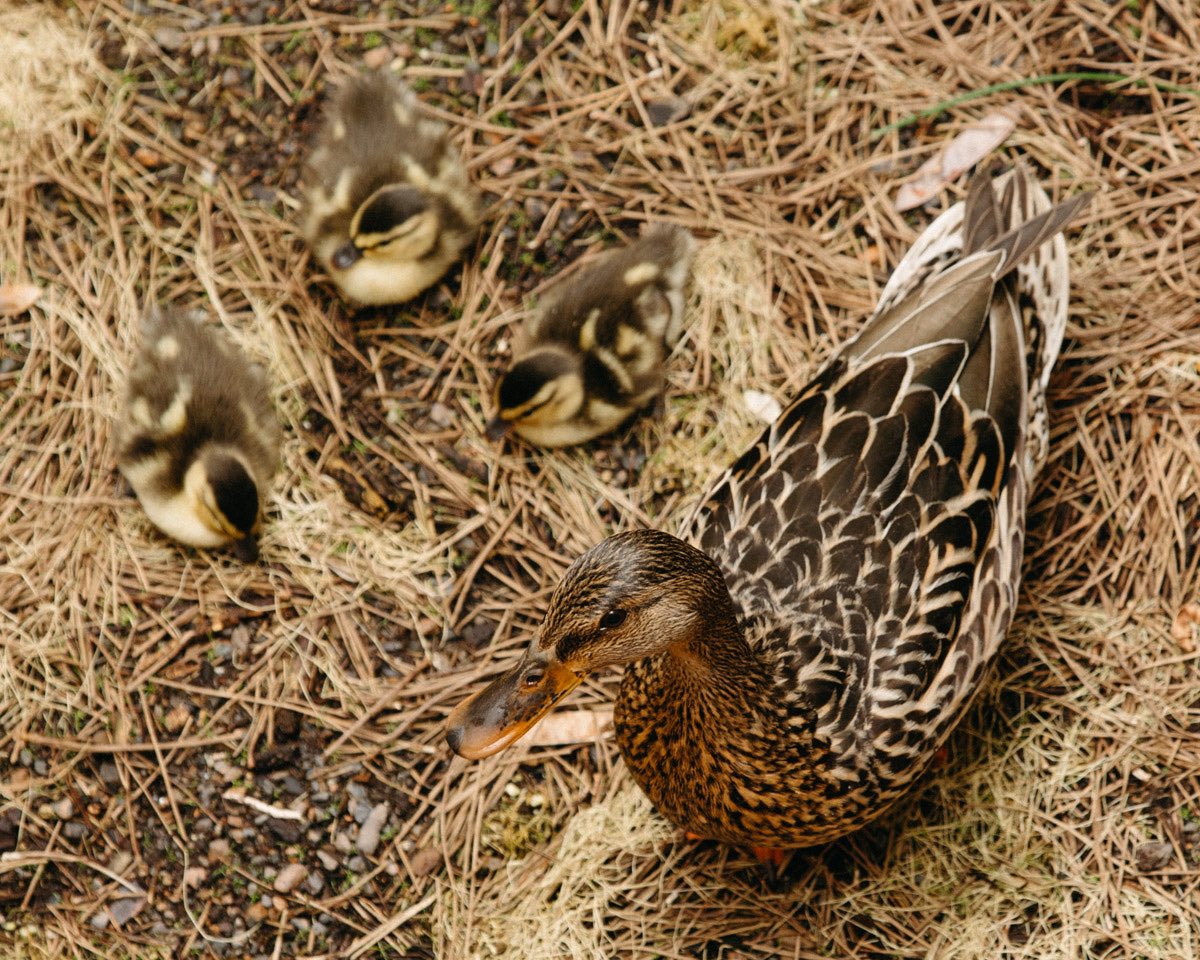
852	575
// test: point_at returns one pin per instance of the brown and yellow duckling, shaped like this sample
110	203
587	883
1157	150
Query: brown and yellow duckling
387	203
594	353
198	439
794	662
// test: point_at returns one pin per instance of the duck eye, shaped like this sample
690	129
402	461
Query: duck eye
614	618
533	677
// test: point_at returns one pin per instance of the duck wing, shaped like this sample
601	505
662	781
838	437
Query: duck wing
873	534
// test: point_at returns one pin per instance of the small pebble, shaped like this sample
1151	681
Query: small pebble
357	791
377	57
328	861
125	910
26	757
169	38
120	861
289	831
64	809
361	812
40	768
289	877
342	842
257	913
218	851
176	719
293	786
441	414
314	883
194	876
75	830
368	836
356	864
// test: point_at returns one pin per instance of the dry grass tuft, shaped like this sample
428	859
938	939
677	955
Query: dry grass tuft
44	77
406	559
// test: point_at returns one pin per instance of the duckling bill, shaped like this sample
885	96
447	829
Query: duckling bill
594	354
198	439
388	206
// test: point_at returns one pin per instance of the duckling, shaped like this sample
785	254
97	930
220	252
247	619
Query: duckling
387	203
594	353
198	439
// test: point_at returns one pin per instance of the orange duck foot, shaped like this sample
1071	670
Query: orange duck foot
770	857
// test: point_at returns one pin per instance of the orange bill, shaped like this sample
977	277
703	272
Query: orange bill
500	714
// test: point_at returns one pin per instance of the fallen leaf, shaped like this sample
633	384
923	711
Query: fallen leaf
151	159
17	297
764	406
1181	630
955	158
424	861
667	110
502	166
1153	856
569	727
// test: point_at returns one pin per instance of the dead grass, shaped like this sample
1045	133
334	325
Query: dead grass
395	532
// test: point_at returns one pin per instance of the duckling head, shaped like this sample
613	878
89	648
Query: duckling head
396	224
224	497
543	390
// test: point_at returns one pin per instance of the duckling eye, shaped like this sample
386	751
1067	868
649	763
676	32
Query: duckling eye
614	618
533	677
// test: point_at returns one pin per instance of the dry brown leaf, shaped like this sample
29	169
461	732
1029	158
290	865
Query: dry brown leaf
1181	630
17	297
570	726
955	158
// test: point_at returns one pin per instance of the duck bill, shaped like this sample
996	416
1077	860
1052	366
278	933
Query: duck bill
246	549
345	256
500	714
498	427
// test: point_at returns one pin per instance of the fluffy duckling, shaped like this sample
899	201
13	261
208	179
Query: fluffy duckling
387	204
594	353
198	437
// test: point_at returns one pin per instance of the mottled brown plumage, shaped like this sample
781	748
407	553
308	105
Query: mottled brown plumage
796	659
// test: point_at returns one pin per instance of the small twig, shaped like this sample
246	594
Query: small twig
279	813
1094	76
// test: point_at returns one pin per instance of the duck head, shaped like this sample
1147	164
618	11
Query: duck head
397	224
224	498
543	390
635	595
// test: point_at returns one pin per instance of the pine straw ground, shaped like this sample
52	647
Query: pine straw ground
153	155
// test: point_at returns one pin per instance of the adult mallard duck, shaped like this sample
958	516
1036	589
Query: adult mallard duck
198	439
594	354
795	661
387	203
